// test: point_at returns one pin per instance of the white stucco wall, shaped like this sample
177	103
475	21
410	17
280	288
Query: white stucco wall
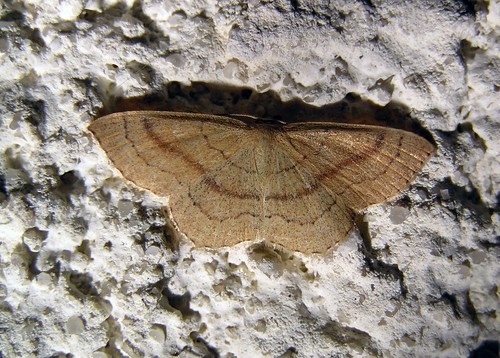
85	266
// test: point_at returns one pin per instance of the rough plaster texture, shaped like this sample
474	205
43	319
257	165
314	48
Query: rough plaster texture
87	267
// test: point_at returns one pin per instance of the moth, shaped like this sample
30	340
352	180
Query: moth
231	179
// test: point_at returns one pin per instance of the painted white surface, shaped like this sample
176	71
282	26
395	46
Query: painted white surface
84	267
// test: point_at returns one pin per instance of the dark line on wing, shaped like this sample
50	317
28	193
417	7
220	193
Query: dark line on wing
212	184
212	217
209	145
141	157
353	160
312	220
169	147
